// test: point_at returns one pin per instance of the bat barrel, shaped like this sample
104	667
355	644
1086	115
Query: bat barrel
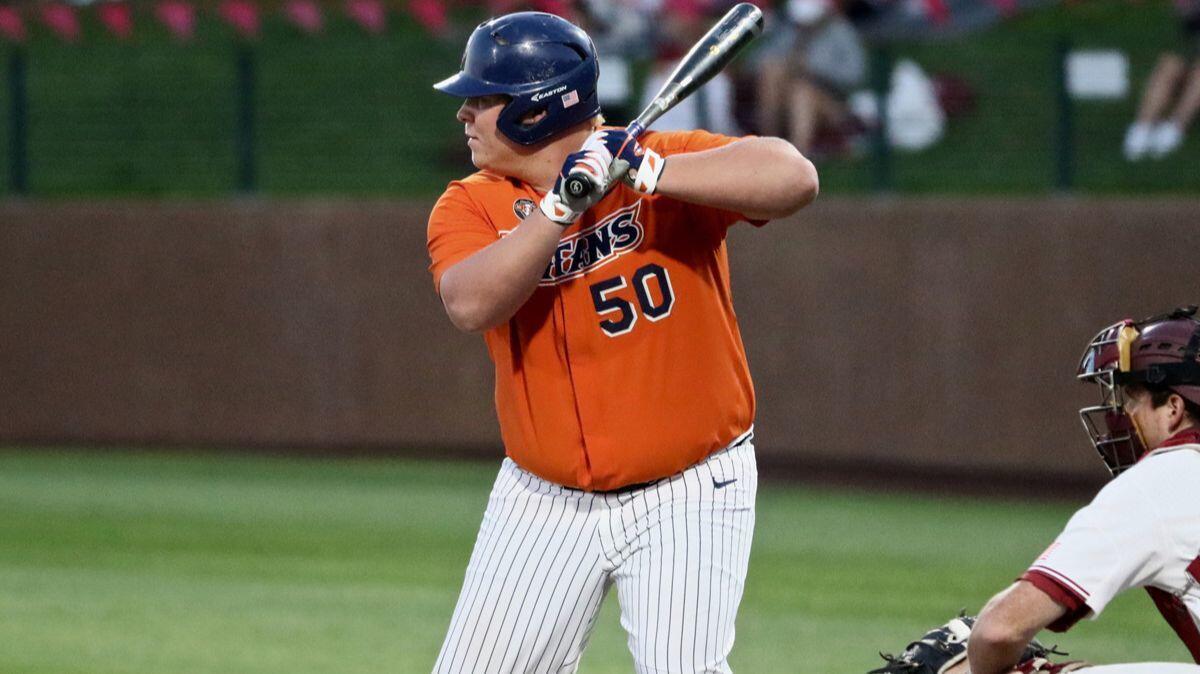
706	58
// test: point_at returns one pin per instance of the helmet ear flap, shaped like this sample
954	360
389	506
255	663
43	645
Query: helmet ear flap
513	120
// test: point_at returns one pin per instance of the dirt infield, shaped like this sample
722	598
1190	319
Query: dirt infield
881	332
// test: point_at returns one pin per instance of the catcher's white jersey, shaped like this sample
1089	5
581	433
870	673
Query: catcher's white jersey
1141	530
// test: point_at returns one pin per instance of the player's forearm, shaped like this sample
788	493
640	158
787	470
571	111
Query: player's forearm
993	658
487	288
1004	628
758	177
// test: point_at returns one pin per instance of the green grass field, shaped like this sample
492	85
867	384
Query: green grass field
137	562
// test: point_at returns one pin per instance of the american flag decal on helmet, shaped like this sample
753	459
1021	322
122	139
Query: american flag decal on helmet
570	98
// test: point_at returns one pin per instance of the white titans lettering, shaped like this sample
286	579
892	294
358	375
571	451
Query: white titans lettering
596	246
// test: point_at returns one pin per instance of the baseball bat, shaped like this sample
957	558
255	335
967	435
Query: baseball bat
705	59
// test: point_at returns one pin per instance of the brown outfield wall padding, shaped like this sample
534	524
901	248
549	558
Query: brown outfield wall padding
232	323
947	332
880	331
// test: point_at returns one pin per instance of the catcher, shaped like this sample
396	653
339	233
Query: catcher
1141	530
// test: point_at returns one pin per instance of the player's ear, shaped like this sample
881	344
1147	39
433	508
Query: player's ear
1177	409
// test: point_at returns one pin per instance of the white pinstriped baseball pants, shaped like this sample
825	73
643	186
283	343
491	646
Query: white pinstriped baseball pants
546	556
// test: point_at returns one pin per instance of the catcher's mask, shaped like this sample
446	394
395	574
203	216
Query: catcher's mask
1160	352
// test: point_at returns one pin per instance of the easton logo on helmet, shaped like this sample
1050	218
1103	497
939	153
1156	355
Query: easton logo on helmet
548	94
595	246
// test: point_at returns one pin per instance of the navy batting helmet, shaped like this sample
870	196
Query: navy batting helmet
542	62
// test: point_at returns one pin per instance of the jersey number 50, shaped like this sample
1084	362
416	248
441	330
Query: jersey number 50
626	314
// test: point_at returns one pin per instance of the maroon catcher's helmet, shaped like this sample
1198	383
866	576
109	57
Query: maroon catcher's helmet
1160	351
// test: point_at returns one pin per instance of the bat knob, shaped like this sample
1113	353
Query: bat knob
577	187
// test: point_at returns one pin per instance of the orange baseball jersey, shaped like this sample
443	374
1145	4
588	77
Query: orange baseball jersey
626	364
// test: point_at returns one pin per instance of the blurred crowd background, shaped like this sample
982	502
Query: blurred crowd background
211	97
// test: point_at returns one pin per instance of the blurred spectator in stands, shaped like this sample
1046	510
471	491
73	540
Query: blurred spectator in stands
681	23
434	18
621	30
863	11
808	66
1159	130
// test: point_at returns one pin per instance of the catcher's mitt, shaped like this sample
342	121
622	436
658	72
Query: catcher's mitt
944	647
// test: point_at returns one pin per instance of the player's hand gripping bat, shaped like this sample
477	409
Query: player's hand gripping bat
706	58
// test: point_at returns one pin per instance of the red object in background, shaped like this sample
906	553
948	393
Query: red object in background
955	94
562	8
1006	7
305	15
242	15
558	7
178	16
937	10
689	9
370	14
12	26
431	14
117	17
62	21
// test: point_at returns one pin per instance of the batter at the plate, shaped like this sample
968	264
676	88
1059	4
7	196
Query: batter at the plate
624	398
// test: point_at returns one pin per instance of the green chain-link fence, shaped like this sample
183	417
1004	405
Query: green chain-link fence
347	113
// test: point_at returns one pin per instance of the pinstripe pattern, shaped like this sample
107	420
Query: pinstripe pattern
546	556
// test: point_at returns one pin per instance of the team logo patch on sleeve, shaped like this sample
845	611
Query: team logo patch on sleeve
523	207
595	246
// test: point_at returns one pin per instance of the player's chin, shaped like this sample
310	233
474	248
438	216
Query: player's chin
478	156
483	161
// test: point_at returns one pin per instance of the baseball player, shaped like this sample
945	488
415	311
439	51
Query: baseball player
1143	528
624	399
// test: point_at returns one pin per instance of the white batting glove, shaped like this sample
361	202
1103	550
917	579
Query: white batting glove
645	179
593	162
639	167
